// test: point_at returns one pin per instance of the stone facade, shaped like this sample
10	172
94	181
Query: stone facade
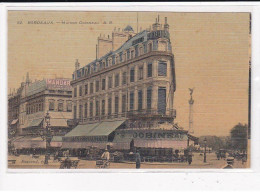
135	82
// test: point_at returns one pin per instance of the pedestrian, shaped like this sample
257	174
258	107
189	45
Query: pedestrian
230	162
189	157
137	159
106	156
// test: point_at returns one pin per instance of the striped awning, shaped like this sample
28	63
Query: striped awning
160	144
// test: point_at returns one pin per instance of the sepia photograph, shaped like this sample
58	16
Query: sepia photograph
129	90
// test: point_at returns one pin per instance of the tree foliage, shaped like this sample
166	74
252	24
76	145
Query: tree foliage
239	136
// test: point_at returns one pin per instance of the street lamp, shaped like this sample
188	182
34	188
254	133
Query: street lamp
47	136
205	144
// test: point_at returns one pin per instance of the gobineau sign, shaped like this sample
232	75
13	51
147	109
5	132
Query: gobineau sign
63	84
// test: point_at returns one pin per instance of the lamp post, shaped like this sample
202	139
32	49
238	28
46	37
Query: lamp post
47	136
205	144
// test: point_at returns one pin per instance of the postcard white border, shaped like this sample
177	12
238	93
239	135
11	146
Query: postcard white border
143	178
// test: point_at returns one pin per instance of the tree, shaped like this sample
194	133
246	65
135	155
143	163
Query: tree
239	136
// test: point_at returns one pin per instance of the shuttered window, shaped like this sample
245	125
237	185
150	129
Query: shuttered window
80	112
109	106
132	75
162	69
103	84
97	86
75	112
97	108
110	82
116	104
149	98
161	100
140	100
91	88
86	89
91	109
117	80
124	78
86	110
123	103
150	70
103	107
131	100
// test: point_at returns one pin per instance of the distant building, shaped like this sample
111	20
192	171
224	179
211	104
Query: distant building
35	100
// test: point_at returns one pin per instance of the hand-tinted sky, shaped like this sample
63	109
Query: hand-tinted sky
211	54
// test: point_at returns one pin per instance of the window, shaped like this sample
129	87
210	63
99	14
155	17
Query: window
60	106
162	69
136	51
149	98
104	84
128	54
140	100
75	91
116	104
131	100
86	89
91	109
132	75
110	82
161	100
109	106
97	108
121	57
117	61
113	60
132	54
51	105
86	110
80	112
150	48
117	80
80	90
69	106
141	50
91	88
124	78
103	107
123	103
75	112
141	71
97	86
150	70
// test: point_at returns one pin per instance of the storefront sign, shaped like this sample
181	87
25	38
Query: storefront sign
58	84
157	135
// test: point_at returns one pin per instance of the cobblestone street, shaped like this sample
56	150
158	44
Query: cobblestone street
27	162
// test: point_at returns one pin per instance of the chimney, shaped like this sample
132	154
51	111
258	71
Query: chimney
166	25
77	64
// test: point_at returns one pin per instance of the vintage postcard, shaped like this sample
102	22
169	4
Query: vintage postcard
128	90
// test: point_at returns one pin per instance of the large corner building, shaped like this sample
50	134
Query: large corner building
126	95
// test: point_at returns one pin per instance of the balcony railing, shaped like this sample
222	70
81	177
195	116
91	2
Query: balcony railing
145	113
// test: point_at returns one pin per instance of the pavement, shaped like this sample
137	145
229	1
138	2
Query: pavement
28	162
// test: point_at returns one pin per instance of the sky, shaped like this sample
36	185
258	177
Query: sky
211	55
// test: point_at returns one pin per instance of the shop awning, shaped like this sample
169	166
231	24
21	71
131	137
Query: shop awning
83	145
35	122
14	122
29	142
105	128
59	123
81	130
56	141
